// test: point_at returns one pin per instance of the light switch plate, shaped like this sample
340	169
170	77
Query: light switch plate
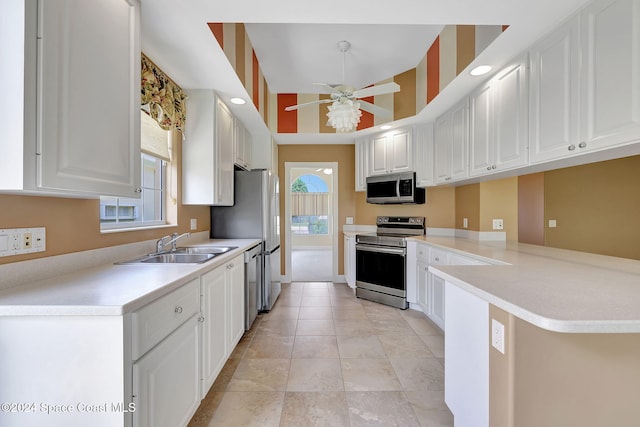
349	220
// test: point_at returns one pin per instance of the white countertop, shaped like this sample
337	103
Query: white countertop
554	289
110	289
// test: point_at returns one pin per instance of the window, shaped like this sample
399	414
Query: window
309	206
148	210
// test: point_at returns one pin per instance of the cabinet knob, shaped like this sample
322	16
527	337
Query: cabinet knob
178	310
201	319
437	258
448	178
138	190
582	144
488	168
493	167
572	147
230	266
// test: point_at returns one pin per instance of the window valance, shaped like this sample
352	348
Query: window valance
161	97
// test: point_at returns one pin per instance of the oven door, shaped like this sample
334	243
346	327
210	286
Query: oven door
381	269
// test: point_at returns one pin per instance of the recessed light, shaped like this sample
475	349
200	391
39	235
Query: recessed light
385	127
480	70
237	101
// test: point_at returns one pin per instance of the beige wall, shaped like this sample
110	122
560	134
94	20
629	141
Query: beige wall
438	210
73	224
531	209
344	155
596	207
482	203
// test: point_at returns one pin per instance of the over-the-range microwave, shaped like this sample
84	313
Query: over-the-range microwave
394	188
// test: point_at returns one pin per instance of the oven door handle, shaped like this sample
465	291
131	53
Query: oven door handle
381	249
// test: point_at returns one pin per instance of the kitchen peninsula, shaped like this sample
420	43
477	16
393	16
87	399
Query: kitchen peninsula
550	338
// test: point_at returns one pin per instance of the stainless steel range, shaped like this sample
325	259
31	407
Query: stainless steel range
381	260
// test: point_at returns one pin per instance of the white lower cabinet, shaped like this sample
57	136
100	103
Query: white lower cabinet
222	292
466	344
350	260
166	380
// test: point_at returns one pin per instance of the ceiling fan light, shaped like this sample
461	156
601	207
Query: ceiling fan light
344	116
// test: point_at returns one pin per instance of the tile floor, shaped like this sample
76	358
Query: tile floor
322	357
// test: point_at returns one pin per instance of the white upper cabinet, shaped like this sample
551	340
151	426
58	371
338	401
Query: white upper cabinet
242	146
75	90
207	152
585	82
451	144
391	152
555	94
362	164
424	155
610	38
498	112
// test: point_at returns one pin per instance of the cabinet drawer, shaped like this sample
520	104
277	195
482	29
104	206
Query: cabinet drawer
157	320
422	253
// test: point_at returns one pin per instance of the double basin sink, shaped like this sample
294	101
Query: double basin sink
184	255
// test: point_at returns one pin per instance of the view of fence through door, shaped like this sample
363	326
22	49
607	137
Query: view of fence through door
311	224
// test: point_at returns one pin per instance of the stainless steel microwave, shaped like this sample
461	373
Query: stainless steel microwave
395	188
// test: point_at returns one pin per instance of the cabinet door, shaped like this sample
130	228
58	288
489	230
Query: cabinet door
481	145
466	345
362	164
554	101
238	144
442	149
436	300
88	137
399	151
224	130
166	381
424	155
511	109
235	286
422	274
379	162
459	141
611	83
214	334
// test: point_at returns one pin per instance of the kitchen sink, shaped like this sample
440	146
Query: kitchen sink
184	255
215	250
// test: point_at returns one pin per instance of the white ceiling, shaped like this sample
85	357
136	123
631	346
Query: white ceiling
296	43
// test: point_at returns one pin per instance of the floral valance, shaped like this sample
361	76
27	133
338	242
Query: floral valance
161	97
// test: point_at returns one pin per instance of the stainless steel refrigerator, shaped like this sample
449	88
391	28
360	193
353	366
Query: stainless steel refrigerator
255	214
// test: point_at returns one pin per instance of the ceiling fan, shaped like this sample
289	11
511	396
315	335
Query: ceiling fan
347	101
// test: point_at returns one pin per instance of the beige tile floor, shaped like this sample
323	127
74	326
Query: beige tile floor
322	357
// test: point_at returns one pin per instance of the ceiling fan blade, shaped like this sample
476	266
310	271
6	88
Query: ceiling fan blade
295	107
377	90
375	110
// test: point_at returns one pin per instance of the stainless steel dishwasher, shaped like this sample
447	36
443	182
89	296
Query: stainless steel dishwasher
251	280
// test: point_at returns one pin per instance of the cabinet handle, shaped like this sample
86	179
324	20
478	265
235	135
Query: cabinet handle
178	310
582	144
572	147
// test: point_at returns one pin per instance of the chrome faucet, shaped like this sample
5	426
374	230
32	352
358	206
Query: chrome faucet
160	244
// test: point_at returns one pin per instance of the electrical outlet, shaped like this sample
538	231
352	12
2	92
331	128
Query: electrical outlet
194	224
497	335
498	224
465	222
17	241
349	220
552	223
